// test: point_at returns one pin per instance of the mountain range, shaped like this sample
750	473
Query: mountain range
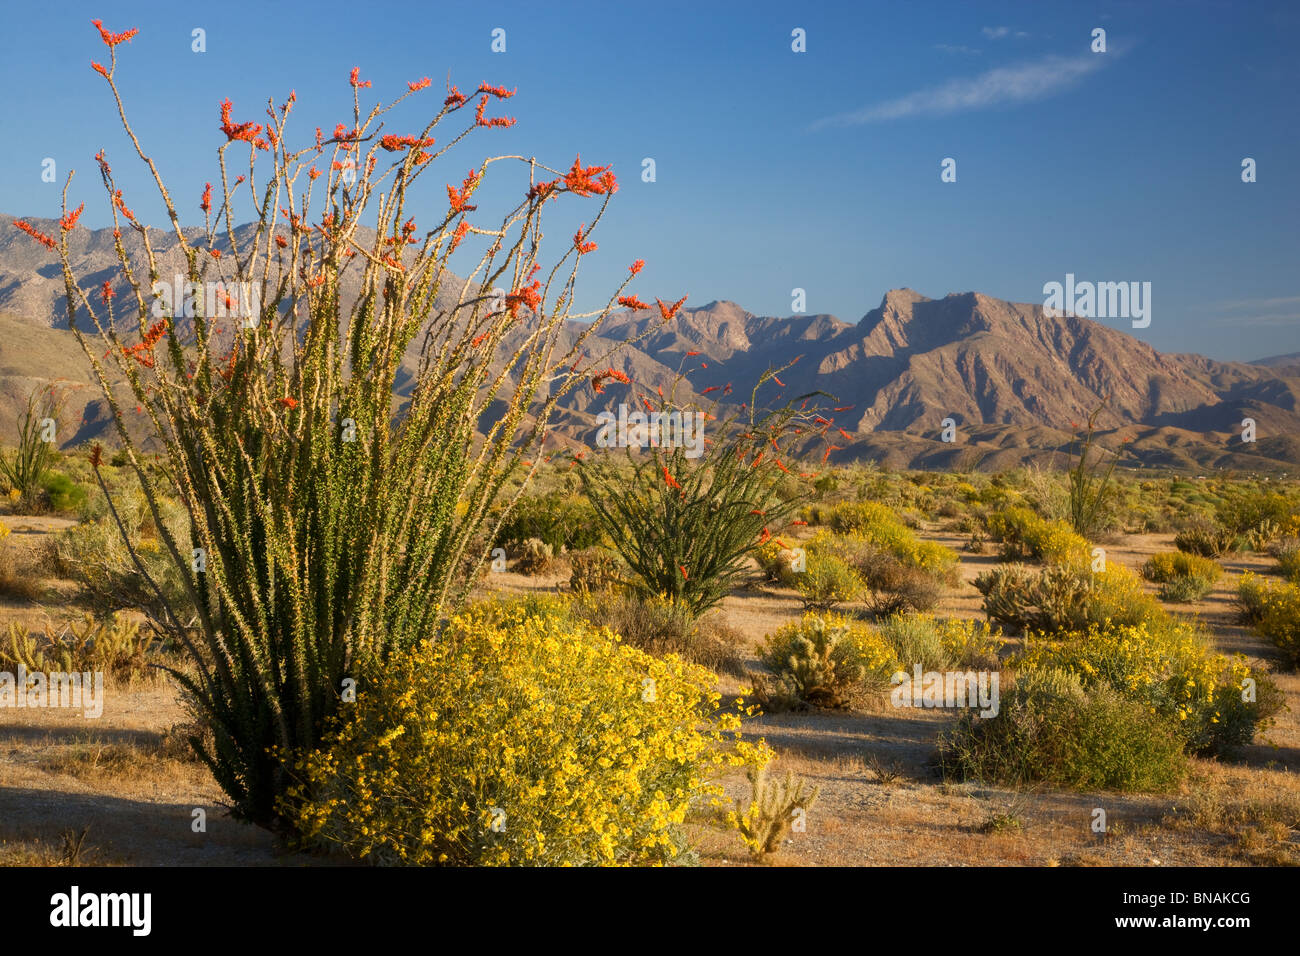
1011	379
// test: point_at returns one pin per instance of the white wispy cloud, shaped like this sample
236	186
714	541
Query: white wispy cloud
1009	84
955	48
996	33
1236	304
1272	318
1273	311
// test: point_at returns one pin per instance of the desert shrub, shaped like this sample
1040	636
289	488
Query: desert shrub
910	589
1049	729
1182	576
899	571
564	521
1024	535
968	643
662	626
96	555
115	646
1249	597
874	524
826	660
872	519
535	556
1207	539
1116	597
61	493
1170	669
916	640
18	579
1169	565
516	739
1255	515
1184	590
826	581
1055	542
940	644
593	569
1287	552
948	508
1278	617
1051	599
1060	598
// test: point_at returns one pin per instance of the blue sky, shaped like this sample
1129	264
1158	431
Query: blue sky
775	170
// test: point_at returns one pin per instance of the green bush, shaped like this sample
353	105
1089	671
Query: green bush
1025	535
94	554
1256	514
826	581
1048	729
1250	593
61	493
564	521
900	571
1182	576
940	644
1169	668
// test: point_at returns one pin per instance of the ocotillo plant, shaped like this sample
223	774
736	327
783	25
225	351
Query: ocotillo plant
32	459
1090	483
326	527
686	524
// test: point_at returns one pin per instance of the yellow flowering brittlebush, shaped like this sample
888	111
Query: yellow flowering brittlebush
966	641
1024	534
1274	607
520	738
1172	670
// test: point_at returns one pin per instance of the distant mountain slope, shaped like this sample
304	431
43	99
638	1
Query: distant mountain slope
1010	376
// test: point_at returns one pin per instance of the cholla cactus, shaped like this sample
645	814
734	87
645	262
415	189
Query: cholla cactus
772	810
326	529
535	557
821	679
115	646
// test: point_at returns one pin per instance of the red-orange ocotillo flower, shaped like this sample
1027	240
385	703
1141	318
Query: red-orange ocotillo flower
113	39
668	311
69	221
36	234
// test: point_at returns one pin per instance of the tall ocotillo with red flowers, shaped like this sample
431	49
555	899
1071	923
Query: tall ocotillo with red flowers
326	524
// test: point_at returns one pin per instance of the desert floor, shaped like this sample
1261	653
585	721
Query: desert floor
122	790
